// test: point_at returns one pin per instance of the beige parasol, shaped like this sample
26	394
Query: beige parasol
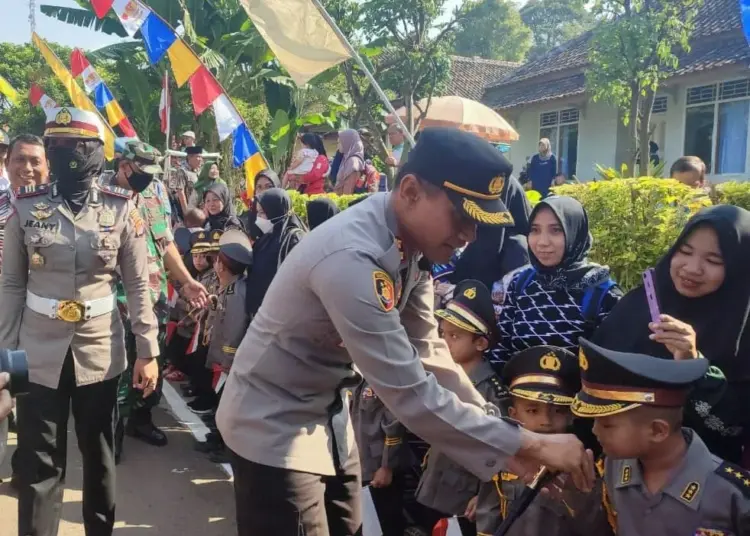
466	114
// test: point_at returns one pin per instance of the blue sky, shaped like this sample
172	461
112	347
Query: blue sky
14	25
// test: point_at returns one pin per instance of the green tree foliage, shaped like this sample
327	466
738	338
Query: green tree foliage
553	22
492	29
633	50
23	65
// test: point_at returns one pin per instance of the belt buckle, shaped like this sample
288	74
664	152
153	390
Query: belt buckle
70	311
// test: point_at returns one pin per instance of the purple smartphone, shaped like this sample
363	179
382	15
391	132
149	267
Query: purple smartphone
653	304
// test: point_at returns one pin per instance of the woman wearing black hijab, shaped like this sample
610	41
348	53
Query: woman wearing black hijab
703	291
220	209
264	181
320	210
281	230
561	296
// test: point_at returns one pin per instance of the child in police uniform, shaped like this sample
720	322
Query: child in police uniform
542	382
227	319
657	478
468	327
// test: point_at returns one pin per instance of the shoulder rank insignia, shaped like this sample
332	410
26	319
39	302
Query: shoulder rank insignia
384	290
31	191
116	191
690	492
230	289
736	475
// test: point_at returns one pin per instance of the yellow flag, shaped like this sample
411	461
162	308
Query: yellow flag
77	96
8	90
299	36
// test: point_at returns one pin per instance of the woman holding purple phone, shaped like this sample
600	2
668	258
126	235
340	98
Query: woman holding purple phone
702	291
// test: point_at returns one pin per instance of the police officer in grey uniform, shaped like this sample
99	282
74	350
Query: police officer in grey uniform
688	490
62	246
341	297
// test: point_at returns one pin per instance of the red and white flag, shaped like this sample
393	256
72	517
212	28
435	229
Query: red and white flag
194	340
172	295
37	96
164	104
79	65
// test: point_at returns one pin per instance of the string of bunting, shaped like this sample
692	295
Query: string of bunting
159	40
37	96
103	98
78	97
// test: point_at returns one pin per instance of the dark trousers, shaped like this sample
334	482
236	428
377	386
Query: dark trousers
42	441
282	502
389	504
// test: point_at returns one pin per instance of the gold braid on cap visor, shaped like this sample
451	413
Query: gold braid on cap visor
477	213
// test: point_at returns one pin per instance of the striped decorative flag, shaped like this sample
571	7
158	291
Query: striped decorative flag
80	66
172	295
37	96
9	91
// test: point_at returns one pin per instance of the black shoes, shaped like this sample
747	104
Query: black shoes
202	406
146	431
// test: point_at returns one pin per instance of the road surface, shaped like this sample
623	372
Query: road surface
168	491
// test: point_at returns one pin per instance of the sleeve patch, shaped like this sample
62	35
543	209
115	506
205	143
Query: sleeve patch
384	290
737	476
137	221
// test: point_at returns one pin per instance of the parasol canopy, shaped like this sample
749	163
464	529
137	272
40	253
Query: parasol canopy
465	114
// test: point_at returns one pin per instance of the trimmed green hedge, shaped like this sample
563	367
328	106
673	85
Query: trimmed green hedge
634	221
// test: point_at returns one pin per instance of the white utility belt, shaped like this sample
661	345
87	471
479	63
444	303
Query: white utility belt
70	310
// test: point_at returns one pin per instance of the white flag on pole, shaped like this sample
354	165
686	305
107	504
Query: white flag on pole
370	521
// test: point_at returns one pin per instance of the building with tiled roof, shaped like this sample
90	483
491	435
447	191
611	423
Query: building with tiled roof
702	109
470	76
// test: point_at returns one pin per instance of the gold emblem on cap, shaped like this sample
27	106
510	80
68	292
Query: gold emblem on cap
470	293
582	361
63	117
217	235
497	184
550	362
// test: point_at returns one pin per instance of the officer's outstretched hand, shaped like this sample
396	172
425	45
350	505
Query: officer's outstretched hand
145	375
562	453
6	402
195	293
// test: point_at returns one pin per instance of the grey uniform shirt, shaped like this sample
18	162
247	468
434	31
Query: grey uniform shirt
322	313
228	324
445	485
705	497
380	437
77	258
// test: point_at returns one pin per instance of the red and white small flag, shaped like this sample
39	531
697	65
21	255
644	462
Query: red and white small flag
194	340
164	104
171	295
80	65
37	96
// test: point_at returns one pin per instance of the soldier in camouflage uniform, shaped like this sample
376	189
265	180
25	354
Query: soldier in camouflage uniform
135	171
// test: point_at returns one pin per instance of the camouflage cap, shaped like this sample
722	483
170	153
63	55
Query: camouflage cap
146	157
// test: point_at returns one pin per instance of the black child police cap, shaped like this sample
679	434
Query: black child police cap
543	374
468	168
614	382
235	245
471	309
205	241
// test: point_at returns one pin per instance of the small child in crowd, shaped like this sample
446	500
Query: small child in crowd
543	381
195	219
227	322
657	478
690	171
302	163
468	327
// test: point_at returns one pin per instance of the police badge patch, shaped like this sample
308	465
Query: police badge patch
384	290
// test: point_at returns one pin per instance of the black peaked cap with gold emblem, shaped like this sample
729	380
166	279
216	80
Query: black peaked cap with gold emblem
468	168
614	382
236	246
544	374
471	309
205	241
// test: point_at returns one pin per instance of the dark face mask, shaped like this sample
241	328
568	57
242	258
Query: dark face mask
139	181
67	162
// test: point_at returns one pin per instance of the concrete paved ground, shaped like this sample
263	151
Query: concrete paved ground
168	491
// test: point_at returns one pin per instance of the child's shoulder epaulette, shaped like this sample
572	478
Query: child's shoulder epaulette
116	191
498	388
31	191
230	289
736	475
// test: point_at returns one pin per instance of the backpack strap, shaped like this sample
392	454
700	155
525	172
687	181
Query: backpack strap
592	301
524	278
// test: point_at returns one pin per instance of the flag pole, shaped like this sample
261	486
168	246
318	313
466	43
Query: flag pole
168	110
368	74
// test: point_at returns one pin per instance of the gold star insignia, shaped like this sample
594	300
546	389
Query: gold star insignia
729	470
747	482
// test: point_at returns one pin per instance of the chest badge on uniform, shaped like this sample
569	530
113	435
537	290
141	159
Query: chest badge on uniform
37	261
106	219
41	206
384	290
41	214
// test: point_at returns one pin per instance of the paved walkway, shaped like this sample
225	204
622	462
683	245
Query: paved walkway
169	491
